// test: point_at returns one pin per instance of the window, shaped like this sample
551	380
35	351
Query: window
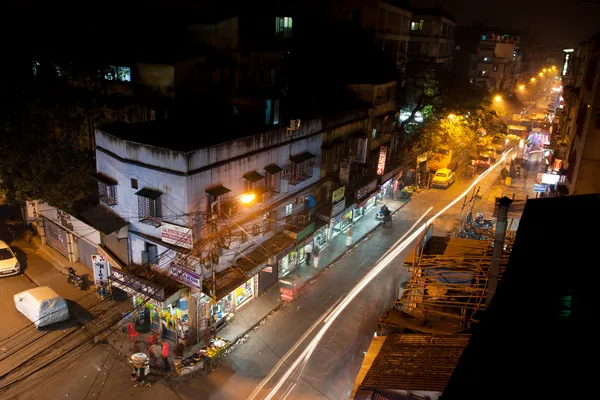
150	206
283	26
485	59
374	133
273	178
288	209
134	183
36	67
496	67
354	16
118	73
417	25
482	73
108	193
301	168
276	112
268	112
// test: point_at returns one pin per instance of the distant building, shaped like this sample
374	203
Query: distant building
579	132
432	33
497	64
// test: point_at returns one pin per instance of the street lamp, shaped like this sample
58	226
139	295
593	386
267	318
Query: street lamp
497	98
247	198
532	79
451	116
521	87
541	74
545	70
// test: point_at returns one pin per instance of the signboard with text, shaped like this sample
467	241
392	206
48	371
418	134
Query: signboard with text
338	194
177	235
100	267
361	151
381	161
188	278
338	208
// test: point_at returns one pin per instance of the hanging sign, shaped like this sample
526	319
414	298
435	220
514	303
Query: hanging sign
100	267
361	152
188	278
381	162
338	195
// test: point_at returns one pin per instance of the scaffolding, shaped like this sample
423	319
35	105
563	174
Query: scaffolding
447	291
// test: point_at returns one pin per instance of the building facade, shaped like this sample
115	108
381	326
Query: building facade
432	33
497	64
578	146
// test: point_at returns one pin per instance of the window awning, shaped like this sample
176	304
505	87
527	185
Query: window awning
253	176
149	193
104	219
218	191
298	158
273	169
104	179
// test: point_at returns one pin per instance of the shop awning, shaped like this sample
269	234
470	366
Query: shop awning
149	193
218	191
298	158
273	169
364	200
253	176
247	266
104	179
103	218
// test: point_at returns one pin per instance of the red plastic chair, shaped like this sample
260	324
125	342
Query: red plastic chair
152	339
132	334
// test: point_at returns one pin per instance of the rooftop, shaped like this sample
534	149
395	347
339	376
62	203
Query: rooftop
182	135
414	362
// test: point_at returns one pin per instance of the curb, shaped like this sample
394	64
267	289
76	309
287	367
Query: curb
336	259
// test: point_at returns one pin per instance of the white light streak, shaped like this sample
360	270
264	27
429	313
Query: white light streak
331	315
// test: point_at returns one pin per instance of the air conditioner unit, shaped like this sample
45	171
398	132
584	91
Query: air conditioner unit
294	124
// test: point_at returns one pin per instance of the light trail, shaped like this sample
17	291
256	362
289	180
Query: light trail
331	315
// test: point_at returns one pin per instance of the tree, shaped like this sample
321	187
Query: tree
46	143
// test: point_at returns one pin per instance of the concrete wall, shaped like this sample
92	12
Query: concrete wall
77	228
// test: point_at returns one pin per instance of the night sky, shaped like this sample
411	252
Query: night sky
552	22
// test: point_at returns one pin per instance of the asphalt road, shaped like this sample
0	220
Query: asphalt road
330	372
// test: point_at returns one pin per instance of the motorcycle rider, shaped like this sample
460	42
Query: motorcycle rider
386	213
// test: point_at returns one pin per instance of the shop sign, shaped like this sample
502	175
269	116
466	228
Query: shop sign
361	152
132	282
338	208
100	267
540	187
345	170
177	235
550	179
305	232
381	162
188	278
268	269
557	164
391	174
338	194
362	192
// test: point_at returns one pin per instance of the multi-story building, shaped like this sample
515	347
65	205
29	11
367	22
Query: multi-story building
579	132
432	32
496	66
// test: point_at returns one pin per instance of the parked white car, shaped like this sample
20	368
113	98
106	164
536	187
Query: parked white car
42	306
9	265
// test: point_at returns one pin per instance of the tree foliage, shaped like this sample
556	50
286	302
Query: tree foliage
45	144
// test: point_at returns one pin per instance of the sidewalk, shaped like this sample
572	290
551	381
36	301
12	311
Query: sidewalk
259	309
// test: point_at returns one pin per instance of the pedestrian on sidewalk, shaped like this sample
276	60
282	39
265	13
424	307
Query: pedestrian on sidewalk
316	252
165	355
308	249
155	352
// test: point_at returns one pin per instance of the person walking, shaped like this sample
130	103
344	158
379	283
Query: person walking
308	249
316	252
165	355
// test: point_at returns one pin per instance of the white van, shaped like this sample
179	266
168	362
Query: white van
42	305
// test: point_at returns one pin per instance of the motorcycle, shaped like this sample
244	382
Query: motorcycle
387	220
481	223
76	280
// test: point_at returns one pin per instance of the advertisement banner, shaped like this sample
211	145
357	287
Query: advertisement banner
381	162
338	194
177	235
361	152
345	170
338	208
100	267
557	165
188	278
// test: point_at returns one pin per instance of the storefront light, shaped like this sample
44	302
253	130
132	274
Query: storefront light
247	198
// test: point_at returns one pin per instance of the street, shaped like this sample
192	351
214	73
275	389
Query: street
330	372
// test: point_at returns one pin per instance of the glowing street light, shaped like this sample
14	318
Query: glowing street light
247	198
541	74
451	116
532	79
498	98
521	87
545	70
554	67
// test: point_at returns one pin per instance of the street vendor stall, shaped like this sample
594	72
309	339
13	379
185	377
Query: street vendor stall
210	356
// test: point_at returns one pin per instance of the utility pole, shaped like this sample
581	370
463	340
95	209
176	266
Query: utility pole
502	205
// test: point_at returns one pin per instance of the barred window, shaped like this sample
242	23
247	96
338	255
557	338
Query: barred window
150	207
108	193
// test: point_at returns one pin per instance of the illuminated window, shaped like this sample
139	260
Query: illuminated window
495	67
288	209
417	25
283	26
36	66
117	73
